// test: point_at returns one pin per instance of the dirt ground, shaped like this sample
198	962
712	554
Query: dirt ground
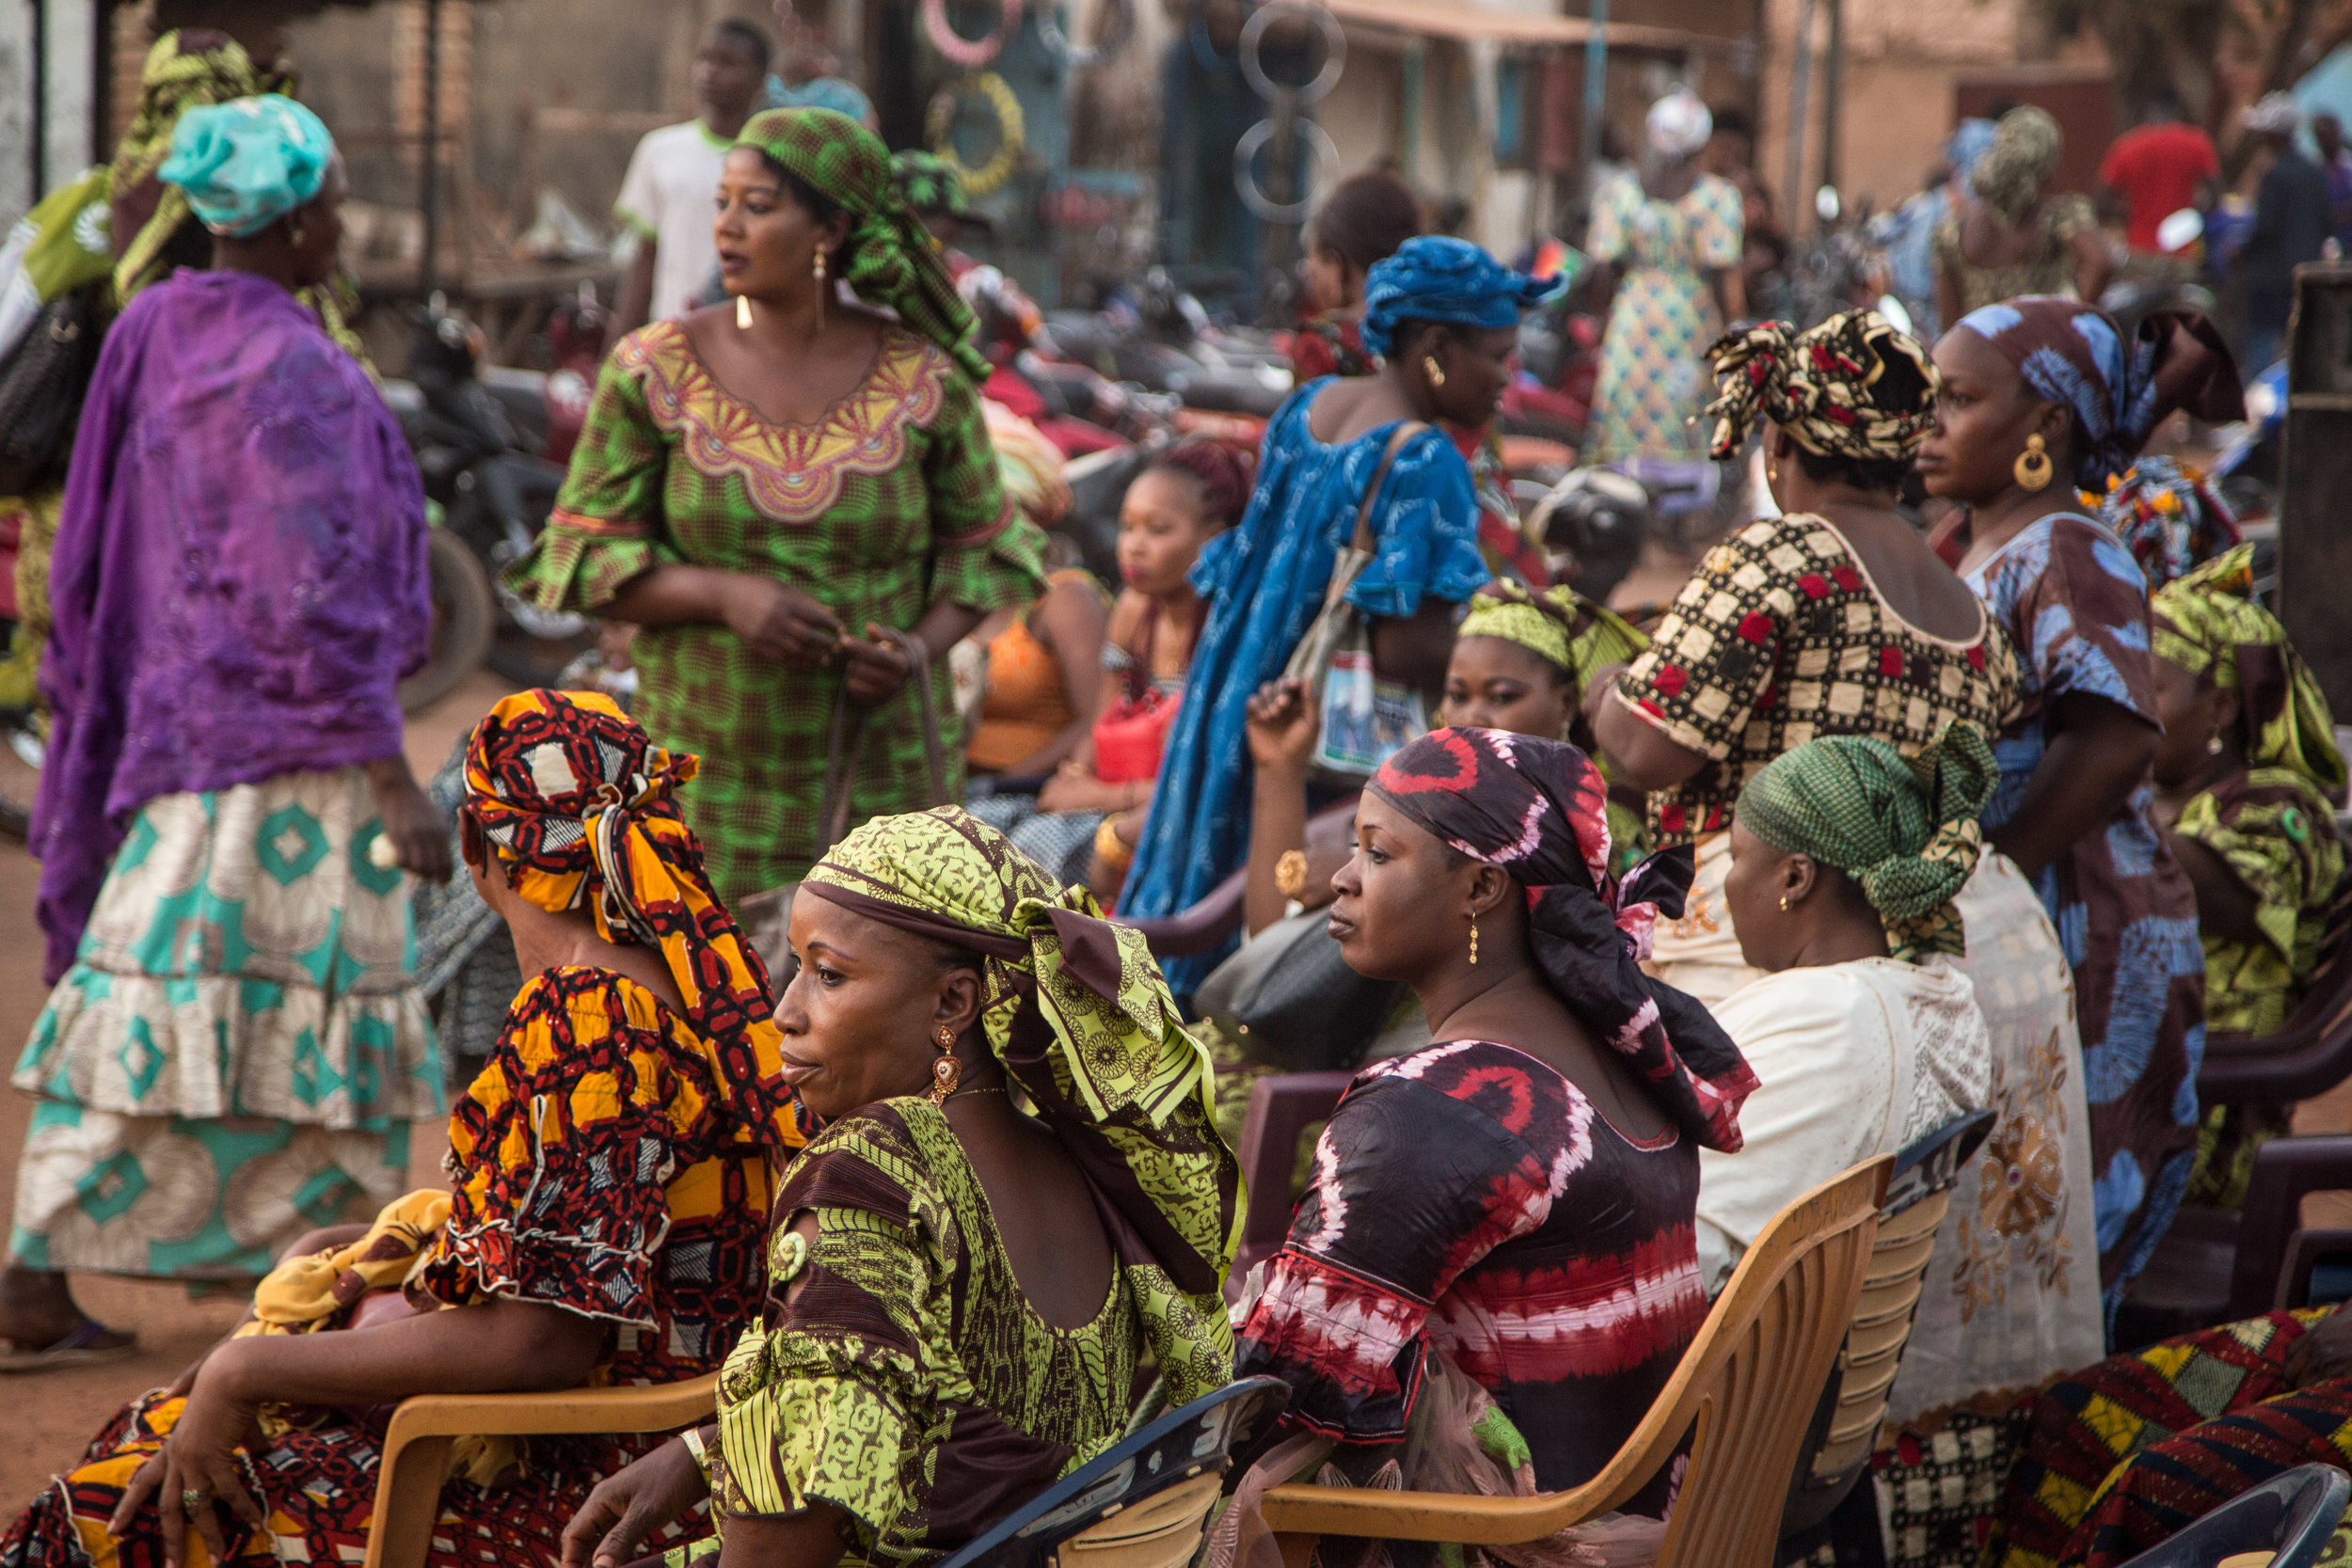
52	1414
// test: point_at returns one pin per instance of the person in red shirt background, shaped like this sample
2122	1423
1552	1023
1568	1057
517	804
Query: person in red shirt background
2154	170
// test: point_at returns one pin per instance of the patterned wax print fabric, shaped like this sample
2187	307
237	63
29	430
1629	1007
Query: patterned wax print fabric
1548	1255
2123	1454
601	1168
238	1047
1781	636
1653	370
238	580
2076	604
2278	835
1330	343
896	1370
889	505
1264	581
2048	270
1852	387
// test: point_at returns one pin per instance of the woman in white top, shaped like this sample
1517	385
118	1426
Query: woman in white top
1845	861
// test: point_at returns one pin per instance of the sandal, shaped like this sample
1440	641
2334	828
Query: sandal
88	1345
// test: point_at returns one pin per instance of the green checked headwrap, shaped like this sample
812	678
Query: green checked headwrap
2207	623
889	259
1079	1016
1903	827
929	183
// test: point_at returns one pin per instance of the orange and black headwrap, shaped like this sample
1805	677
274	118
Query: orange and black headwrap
574	799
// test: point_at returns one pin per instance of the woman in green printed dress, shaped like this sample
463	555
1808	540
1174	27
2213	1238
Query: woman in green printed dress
793	494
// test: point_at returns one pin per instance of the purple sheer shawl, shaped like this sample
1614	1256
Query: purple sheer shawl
239	579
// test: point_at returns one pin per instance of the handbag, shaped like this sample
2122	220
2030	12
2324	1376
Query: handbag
766	918
1289	1000
42	383
1364	719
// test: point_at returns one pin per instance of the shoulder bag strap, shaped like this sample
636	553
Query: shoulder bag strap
1363	539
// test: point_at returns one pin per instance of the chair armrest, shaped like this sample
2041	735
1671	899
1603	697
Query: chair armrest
2311	1055
1199	928
2285	1170
1281	1106
1471	1521
655	1407
2305	1248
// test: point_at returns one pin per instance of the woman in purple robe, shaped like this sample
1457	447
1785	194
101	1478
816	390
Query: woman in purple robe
235	1044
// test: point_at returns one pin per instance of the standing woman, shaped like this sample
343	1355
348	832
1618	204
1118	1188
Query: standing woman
794	497
1363	221
1676	234
239	585
2010	234
2041	395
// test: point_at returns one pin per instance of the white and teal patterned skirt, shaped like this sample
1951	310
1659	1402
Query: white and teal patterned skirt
236	1054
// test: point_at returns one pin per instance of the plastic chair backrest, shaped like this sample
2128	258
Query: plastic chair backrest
1145	1503
2289	1516
1844	1426
1744	1390
1281	1106
2309	1055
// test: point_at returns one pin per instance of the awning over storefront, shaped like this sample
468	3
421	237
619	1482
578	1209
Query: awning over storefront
1466	22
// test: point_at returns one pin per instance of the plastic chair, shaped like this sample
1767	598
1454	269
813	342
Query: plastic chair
1282	1107
1146	1502
2283	1523
1749	1382
2219	1265
416	1445
1846	1423
1202	926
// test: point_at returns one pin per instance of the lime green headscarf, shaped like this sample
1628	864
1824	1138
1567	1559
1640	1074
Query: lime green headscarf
1559	625
1079	1015
2207	623
1904	828
889	259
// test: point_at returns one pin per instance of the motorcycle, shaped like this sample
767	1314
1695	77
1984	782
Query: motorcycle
1162	339
477	432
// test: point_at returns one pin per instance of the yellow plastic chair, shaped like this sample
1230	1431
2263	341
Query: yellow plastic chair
1750	1381
416	1447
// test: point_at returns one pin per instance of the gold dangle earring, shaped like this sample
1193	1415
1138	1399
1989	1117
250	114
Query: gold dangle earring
2032	468
1433	370
742	312
1473	939
821	289
946	1070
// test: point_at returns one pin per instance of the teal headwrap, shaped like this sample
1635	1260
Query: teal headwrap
246	164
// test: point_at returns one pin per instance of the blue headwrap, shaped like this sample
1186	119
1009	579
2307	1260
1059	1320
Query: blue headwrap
1965	147
248	162
2073	354
1437	278
821	92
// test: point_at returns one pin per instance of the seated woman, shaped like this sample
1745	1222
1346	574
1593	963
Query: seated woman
963	1289
610	1188
1042	683
1484	1203
1186	495
1845	860
2247	779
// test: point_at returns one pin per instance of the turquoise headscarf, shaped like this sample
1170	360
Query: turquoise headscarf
248	162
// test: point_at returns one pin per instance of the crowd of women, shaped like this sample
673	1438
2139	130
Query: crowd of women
1858	838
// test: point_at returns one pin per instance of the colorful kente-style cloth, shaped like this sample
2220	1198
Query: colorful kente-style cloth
2170	518
237	1054
1548	1255
2124	1453
1852	387
889	504
899	1372
1264	581
1781	636
2074	601
1653	371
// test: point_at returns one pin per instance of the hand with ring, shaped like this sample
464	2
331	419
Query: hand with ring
196	1475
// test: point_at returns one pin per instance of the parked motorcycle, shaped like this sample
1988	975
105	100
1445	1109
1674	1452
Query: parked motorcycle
1162	339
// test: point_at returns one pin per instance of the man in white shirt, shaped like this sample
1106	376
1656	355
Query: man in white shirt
669	197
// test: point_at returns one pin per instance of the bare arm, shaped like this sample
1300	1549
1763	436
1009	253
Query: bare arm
1069	620
2098	752
2225	905
632	299
809	1539
1413	650
1281	733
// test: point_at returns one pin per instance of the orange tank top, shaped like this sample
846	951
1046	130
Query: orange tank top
1027	705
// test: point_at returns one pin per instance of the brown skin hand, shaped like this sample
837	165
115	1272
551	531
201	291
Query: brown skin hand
2195	715
802	353
1792	911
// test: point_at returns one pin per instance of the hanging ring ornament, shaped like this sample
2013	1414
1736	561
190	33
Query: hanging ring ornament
1253	34
971	54
1114	21
939	127
1253	141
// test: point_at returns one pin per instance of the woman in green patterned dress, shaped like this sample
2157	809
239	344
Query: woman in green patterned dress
962	1287
794	496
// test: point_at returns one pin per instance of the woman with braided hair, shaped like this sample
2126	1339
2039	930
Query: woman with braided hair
795	498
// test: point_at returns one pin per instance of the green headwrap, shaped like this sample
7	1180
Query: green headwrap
1559	625
2207	623
1077	1012
929	183
889	258
1904	828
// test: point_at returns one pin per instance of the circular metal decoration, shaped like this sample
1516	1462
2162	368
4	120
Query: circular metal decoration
1113	22
1245	178
971	54
1010	131
1334	50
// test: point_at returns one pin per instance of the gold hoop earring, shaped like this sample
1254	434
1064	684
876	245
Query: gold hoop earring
821	289
742	312
2032	468
946	1070
1433	370
1473	939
